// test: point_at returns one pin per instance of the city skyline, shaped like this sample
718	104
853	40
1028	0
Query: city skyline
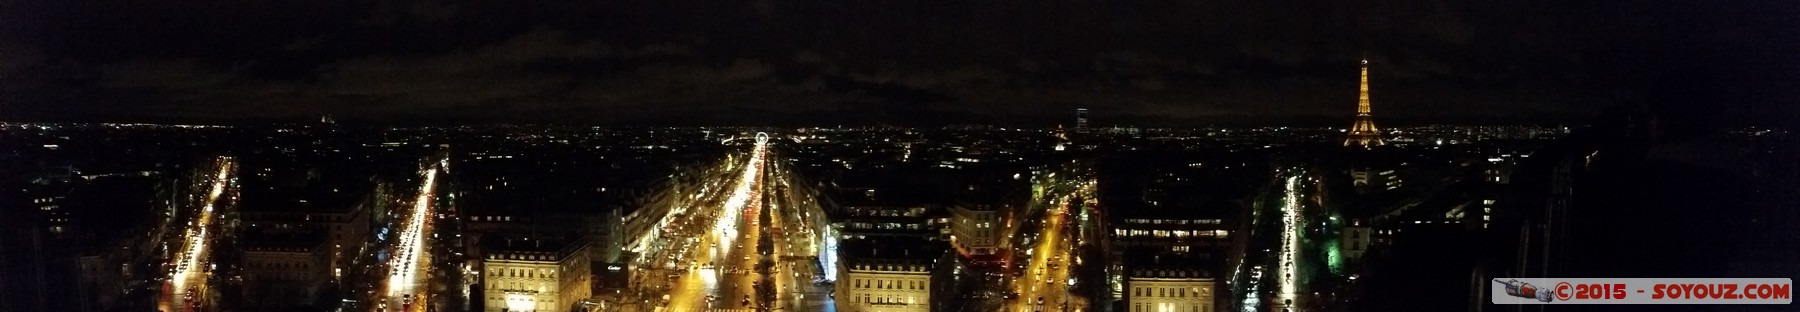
896	156
755	63
322	216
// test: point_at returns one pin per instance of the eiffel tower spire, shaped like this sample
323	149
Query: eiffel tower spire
1363	132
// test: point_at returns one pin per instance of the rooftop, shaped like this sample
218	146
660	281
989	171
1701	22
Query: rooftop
891	253
299	189
264	240
1149	263
111	207
1210	209
528	248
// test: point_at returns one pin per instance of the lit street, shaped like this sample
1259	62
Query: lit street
1045	276
1289	258
1286	250
407	286
727	246
1051	256
191	267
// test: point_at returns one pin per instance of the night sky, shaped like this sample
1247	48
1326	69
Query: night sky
767	62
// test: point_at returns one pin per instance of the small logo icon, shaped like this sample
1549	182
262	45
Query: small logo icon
1519	289
1565	291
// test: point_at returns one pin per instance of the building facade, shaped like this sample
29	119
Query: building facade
346	226
886	221
535	275
1356	239
284	275
1156	280
1170	233
887	276
1374	179
884	286
1170	289
975	229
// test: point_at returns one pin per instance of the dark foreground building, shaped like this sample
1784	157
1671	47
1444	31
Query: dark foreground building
1653	190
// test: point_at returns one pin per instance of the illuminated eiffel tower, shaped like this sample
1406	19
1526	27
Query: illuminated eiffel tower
1363	132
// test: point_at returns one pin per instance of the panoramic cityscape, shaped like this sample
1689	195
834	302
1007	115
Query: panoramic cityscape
324	216
666	156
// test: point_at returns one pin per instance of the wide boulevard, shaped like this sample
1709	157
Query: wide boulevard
741	241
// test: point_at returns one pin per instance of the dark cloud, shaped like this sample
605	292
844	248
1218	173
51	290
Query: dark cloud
801	62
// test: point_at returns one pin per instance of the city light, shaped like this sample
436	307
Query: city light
189	260
406	265
828	259
1291	223
742	196
668	156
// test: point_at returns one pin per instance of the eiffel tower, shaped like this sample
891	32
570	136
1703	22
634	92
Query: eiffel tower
1363	132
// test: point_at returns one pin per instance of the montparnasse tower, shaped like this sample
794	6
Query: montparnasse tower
1363	132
